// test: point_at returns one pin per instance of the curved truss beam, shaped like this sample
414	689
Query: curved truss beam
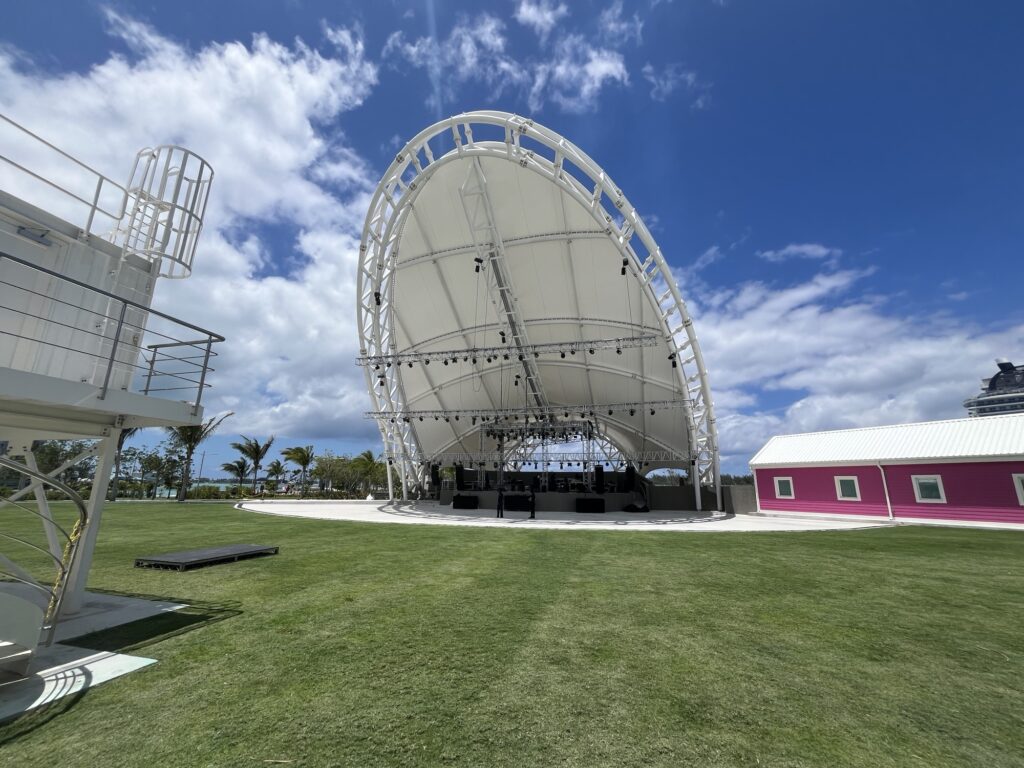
541	151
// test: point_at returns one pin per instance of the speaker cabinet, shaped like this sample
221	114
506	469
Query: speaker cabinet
630	483
465	502
599	479
460	479
435	475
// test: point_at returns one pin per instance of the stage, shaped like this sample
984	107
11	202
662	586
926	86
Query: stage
431	513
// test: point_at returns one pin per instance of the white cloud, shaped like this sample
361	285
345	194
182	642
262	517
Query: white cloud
257	113
541	16
669	79
617	29
572	76
473	50
801	251
836	356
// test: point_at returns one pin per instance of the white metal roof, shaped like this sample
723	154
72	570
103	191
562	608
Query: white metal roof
969	438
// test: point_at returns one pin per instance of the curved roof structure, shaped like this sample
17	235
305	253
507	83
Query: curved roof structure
505	280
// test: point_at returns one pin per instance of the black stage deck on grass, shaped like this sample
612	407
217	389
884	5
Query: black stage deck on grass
199	558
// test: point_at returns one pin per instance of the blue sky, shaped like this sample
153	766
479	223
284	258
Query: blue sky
837	184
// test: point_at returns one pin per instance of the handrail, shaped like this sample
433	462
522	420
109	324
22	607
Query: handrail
202	346
63	563
101	179
216	337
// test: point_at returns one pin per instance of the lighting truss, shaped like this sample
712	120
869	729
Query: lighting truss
551	413
489	354
544	430
636	458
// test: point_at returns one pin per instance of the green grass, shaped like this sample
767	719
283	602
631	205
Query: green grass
396	645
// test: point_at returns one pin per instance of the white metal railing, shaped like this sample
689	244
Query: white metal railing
158	215
63	563
173	363
94	187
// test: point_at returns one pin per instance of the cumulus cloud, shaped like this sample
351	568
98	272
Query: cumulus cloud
541	17
256	112
801	251
834	357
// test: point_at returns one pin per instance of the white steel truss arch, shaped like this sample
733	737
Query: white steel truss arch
541	151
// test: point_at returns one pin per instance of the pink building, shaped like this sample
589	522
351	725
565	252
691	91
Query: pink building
962	469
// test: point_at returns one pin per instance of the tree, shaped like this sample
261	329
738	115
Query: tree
276	470
126	434
150	462
367	469
303	457
239	468
254	451
188	439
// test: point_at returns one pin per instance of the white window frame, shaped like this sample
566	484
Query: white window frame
1018	486
856	488
792	488
917	492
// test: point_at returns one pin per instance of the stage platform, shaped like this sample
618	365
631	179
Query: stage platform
200	558
430	513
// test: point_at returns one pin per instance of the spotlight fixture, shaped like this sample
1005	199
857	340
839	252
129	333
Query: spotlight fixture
618	350
474	361
506	355
625	263
410	364
426	362
632	411
572	351
652	411
609	411
376	297
376	367
563	355
520	358
478	261
488	358
591	351
446	361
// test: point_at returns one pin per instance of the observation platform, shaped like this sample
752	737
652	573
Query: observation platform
429	513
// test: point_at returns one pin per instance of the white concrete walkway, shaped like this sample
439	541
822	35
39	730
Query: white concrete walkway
427	513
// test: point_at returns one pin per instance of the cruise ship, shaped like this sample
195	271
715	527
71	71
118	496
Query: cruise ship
1002	393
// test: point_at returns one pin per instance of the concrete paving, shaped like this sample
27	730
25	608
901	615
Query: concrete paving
427	513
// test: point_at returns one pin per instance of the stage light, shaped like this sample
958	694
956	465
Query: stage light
632	411
567	414
474	361
609	411
536	354
488	359
520	358
618	351
426	362
478	261
506	355
591	351
376	297
446	361
421	418
652	411
437	418
625	263
572	351
456	418
410	365
376	367
563	355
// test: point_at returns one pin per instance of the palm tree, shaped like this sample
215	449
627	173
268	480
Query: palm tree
188	439
276	470
254	451
123	438
365	466
303	456
239	468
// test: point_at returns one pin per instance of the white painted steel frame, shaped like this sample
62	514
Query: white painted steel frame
392	203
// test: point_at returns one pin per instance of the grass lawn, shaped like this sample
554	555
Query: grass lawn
398	645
